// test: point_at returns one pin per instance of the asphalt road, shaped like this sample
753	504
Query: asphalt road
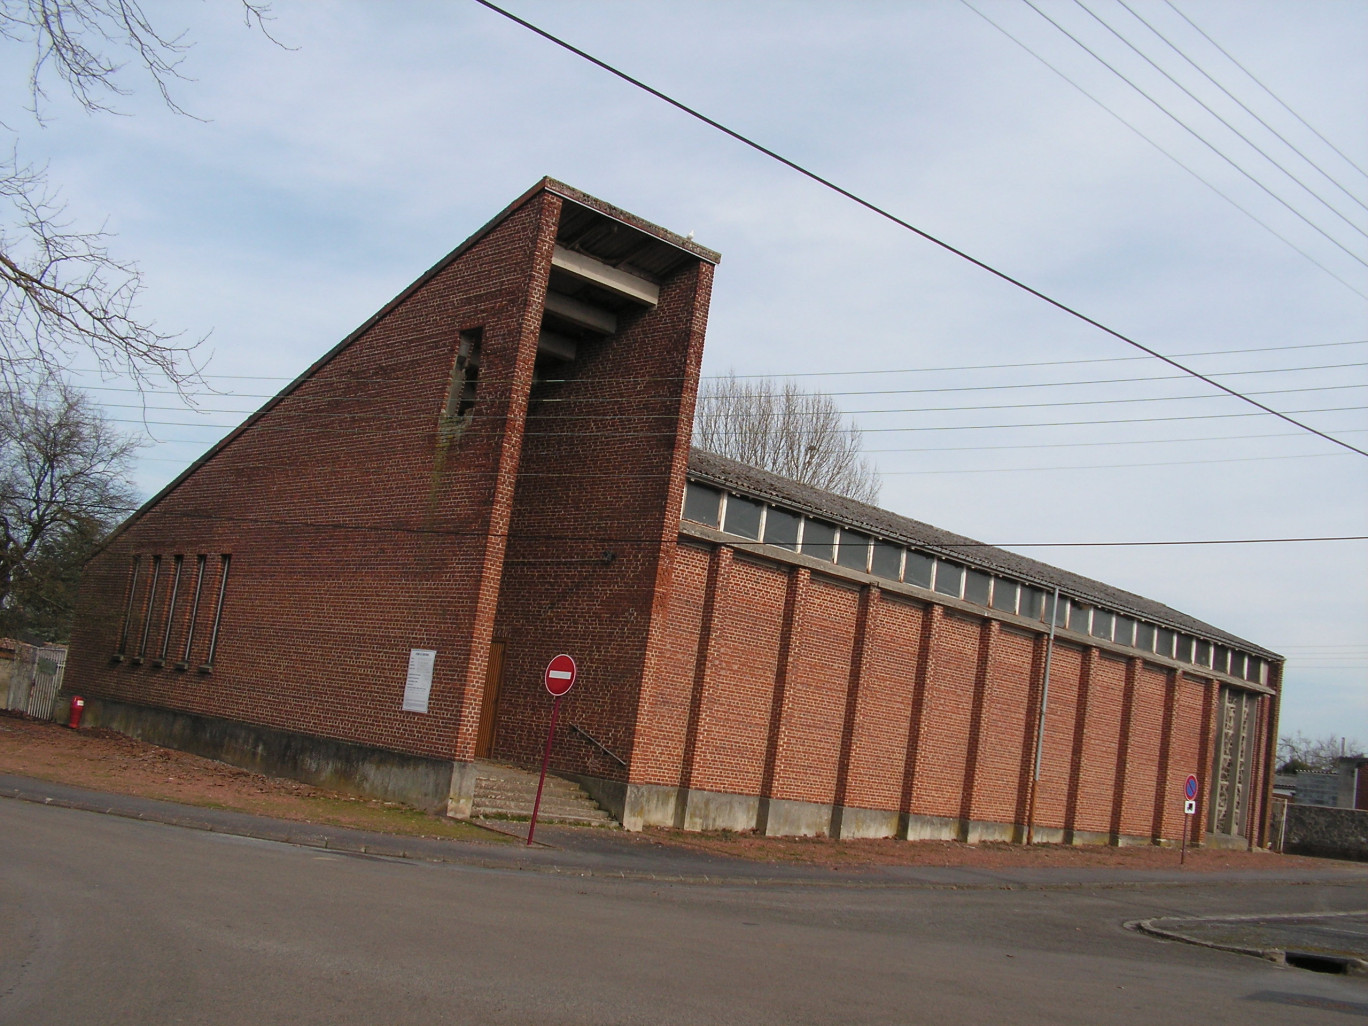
110	920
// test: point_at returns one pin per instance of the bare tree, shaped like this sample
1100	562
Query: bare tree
777	426
63	485
61	291
1298	752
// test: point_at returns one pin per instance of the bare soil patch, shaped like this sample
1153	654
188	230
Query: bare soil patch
852	854
108	761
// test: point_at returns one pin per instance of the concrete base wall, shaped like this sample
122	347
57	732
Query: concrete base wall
340	765
929	828
637	806
1086	837
1228	842
709	810
849	821
779	817
977	831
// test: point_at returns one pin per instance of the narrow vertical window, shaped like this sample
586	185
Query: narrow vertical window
151	608
465	375
128	608
194	613
218	611
171	610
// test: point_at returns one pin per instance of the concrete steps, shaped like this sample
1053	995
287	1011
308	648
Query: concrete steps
508	793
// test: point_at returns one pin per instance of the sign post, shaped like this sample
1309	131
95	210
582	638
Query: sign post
558	678
1189	808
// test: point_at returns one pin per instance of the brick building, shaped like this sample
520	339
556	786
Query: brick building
362	583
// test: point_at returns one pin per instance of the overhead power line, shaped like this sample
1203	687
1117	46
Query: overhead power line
889	216
654	538
1195	134
1253	78
1244	106
882	372
1172	156
1217	115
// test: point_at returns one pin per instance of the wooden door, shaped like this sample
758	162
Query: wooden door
489	712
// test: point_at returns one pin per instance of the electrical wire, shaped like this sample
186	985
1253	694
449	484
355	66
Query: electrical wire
363	428
654	539
1194	133
551	399
893	218
800	374
1219	117
1171	156
1243	106
1347	159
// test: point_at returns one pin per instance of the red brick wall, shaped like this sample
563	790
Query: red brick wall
666	696
738	690
1142	745
594	527
781	688
1007	730
879	747
355	534
809	744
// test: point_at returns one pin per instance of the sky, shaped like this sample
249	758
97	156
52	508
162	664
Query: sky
318	177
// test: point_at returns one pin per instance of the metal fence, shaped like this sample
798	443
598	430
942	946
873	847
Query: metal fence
35	679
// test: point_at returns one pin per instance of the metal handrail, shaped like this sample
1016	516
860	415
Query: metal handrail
598	744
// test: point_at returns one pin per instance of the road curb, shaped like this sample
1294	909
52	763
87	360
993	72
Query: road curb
1278	955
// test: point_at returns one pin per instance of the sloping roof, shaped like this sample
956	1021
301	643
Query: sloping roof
591	205
712	468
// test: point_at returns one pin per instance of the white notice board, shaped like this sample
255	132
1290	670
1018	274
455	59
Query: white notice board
419	682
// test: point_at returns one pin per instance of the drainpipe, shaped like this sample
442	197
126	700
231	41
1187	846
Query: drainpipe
1040	726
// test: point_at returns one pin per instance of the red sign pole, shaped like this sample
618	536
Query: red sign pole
546	758
559	678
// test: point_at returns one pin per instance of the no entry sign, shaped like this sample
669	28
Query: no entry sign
560	675
558	678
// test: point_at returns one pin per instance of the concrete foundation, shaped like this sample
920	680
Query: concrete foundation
1229	842
928	828
779	817
1086	837
649	805
711	810
848	821
374	772
978	830
461	793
